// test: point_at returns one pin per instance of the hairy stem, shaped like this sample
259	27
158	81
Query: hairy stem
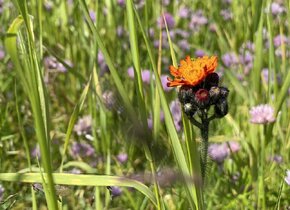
204	145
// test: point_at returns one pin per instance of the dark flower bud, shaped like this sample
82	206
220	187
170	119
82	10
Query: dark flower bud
189	109
185	94
224	92
214	94
221	108
212	80
201	98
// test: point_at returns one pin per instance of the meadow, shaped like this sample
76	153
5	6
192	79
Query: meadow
142	104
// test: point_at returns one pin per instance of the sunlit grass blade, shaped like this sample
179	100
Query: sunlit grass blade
134	46
258	62
80	180
73	119
173	136
31	78
191	146
109	62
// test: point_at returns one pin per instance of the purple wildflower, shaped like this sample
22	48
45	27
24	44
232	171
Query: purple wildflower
139	4
82	150
165	2
279	39
83	125
199	53
121	3
227	1
130	72
70	2
218	152
169	20
52	64
230	59
182	33
75	171
277	9
93	15
102	63
164	81
183	12
287	178
247	60
226	14
2	54
212	27
176	114
184	45
48	5
115	191
276	158
233	146
197	20
122	157
150	122
109	99
146	76
2	190
120	31
36	152
262	114
265	74
151	32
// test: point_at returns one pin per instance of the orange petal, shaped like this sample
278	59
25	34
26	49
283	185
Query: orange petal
173	71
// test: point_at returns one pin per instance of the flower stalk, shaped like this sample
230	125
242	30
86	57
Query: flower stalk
199	92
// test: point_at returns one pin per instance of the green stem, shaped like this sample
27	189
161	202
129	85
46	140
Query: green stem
204	136
261	187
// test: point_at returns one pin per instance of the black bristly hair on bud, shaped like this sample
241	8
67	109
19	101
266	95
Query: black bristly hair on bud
214	94
221	108
185	94
189	109
224	92
211	80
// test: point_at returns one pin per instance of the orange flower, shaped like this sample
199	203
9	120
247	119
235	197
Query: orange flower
192	71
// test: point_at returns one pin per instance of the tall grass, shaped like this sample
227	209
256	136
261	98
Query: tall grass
42	107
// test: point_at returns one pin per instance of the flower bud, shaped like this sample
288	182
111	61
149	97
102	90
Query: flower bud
224	92
189	109
212	80
185	94
201	98
221	108
214	94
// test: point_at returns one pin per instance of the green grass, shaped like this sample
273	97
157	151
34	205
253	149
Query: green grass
40	106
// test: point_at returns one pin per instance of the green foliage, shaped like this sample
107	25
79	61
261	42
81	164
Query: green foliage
64	61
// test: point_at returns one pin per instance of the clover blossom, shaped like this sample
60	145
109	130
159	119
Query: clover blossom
287	178
262	114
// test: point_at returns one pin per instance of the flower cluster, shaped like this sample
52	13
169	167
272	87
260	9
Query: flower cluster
219	152
199	86
262	114
287	178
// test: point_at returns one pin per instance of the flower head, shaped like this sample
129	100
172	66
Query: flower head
262	114
2	190
169	20
122	157
191	72
287	178
83	125
218	152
